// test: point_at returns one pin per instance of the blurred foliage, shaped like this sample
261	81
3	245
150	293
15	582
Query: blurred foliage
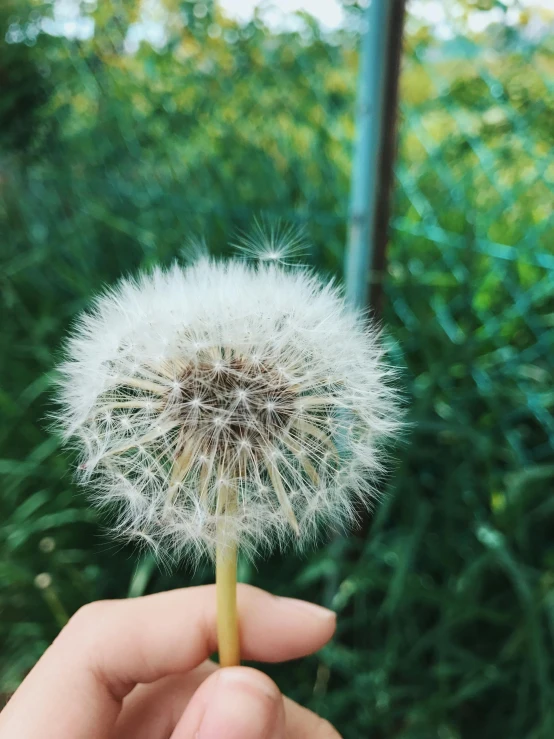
113	152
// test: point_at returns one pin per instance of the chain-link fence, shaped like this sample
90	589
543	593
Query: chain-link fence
113	153
469	287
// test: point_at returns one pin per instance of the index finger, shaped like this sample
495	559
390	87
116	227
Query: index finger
76	689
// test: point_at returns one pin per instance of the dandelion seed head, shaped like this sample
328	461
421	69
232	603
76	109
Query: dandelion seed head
227	394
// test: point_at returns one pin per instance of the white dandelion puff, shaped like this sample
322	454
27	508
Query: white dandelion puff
227	401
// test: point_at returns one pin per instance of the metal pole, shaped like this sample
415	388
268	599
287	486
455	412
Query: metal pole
378	78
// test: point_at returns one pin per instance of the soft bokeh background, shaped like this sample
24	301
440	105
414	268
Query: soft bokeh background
125	127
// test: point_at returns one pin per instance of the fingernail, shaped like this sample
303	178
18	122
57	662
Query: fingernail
243	705
311	608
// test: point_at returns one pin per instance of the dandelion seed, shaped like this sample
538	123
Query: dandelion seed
275	243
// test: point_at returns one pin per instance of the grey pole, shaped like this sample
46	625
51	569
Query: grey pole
377	79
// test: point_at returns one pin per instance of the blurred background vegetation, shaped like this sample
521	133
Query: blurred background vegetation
125	127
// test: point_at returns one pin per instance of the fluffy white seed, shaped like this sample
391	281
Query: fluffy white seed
226	397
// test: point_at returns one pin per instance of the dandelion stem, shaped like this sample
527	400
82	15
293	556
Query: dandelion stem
227	621
226	587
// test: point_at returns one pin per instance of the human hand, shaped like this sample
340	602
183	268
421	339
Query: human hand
138	669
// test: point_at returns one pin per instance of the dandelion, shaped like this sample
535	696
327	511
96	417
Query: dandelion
227	404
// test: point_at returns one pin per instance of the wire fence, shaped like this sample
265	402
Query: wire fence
472	229
469	288
113	153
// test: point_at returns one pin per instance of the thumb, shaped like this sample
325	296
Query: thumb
234	703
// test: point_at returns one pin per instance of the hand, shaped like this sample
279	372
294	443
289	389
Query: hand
138	669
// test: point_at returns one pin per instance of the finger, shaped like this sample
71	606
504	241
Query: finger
154	710
234	703
76	689
304	724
